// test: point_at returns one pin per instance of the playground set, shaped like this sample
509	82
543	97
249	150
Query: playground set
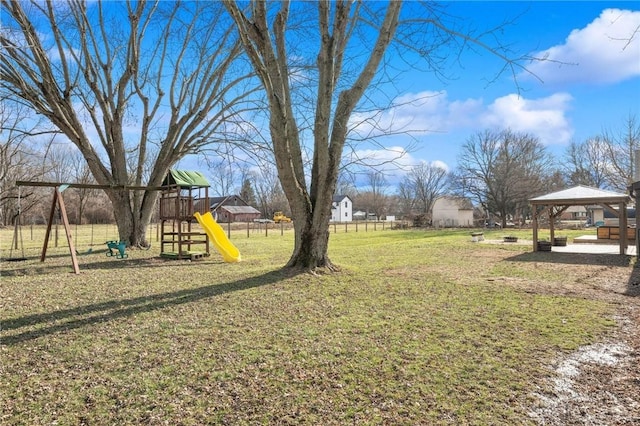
183	202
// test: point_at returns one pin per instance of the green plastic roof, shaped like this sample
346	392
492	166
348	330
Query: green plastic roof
185	178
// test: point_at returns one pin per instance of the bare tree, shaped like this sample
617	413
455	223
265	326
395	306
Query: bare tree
135	85
18	160
502	170
267	50
223	176
269	195
621	147
58	162
346	185
349	41
425	182
81	174
406	198
374	199
587	163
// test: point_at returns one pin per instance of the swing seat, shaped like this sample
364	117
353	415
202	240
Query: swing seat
117	249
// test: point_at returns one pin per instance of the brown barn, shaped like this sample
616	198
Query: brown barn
232	208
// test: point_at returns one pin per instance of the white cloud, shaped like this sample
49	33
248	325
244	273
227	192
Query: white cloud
413	113
544	117
440	164
605	51
394	162
421	113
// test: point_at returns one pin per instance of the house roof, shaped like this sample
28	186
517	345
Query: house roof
338	198
580	195
216	202
576	209
240	209
185	179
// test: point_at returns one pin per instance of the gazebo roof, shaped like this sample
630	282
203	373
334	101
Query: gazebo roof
580	195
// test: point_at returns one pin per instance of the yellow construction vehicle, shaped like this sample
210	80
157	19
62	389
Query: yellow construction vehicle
280	217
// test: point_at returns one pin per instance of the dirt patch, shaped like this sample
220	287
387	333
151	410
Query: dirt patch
598	384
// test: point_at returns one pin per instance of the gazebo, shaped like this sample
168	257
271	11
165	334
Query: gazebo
557	202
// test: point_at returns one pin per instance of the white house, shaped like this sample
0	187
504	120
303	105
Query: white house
342	209
449	211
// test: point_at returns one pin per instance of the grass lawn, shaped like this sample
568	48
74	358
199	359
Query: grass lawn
419	327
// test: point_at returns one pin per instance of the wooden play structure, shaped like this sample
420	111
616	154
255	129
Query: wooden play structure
184	193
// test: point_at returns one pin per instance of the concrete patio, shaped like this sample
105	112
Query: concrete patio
594	247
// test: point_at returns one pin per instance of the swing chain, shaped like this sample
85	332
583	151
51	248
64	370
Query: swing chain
19	201
17	232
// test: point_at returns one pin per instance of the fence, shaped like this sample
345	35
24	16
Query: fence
31	237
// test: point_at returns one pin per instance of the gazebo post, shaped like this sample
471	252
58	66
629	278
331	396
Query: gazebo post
535	227
622	223
552	218
637	197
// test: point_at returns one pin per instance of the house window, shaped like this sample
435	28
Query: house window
346	204
345	214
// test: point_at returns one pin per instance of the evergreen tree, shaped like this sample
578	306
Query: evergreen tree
247	194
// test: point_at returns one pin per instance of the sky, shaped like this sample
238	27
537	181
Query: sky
589	83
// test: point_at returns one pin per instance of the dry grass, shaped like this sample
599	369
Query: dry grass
420	327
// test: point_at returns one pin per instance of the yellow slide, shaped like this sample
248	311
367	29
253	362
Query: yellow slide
217	236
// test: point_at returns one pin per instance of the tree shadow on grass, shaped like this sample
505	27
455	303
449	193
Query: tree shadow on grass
114	309
633	286
35	267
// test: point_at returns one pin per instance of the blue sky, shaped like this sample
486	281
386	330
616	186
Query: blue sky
590	84
596	87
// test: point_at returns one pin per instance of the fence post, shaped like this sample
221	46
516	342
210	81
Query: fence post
281	228
247	229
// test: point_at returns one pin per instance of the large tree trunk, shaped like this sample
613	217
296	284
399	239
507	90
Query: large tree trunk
132	222
311	247
312	234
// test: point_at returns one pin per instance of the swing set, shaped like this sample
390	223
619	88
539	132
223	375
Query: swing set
58	201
